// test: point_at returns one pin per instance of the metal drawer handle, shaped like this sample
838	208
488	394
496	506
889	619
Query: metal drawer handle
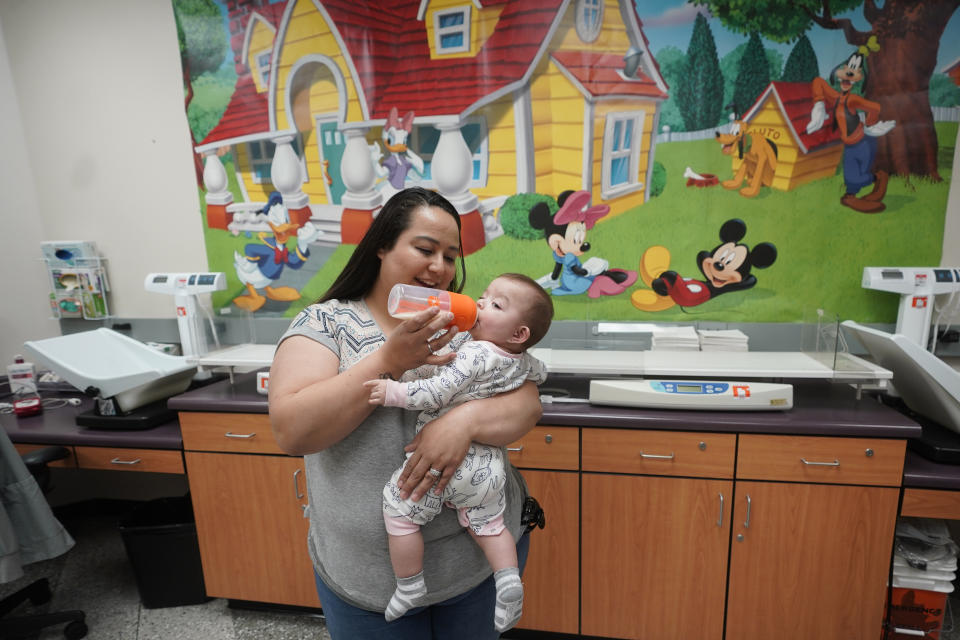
910	632
119	461
746	524
651	456
835	463
239	435
296	484
720	519
515	449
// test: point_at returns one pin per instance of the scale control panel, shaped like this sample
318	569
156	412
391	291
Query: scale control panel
702	395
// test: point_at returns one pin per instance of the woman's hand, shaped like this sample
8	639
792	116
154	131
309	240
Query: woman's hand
440	446
409	345
443	443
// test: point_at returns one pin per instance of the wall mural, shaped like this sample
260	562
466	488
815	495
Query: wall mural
641	159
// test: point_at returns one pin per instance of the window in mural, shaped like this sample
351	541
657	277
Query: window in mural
621	157
263	66
589	19
424	140
261	158
452	30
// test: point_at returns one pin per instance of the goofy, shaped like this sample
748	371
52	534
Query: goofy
858	121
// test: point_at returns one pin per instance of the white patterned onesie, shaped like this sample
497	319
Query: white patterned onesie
480	370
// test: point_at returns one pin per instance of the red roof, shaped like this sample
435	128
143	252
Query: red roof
392	56
795	100
245	115
600	74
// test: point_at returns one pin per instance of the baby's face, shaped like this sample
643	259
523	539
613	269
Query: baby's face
500	312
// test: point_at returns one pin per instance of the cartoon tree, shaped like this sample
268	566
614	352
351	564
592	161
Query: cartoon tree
753	74
203	46
802	64
899	73
700	90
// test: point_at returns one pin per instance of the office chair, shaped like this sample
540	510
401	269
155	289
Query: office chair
38	592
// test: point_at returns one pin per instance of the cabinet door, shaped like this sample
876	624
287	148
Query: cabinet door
253	536
551	578
812	563
654	556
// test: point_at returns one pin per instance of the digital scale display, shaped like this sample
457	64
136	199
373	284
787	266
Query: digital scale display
671	386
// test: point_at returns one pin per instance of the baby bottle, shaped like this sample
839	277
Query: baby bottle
407	299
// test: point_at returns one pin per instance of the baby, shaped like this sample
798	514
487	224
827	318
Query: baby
513	314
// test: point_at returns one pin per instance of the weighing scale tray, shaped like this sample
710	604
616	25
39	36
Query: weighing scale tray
116	365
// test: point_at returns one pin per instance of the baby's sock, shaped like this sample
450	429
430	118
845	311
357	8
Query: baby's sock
509	598
410	592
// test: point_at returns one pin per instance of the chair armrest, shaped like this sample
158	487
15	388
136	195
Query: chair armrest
40	457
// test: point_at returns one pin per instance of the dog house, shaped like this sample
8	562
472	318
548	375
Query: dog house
780	115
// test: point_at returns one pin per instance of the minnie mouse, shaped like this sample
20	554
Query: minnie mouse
726	268
566	233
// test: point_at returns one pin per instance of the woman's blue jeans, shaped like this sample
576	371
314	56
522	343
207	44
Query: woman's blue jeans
468	616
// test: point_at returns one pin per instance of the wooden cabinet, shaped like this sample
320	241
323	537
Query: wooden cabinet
655	546
654	556
812	563
811	560
248	500
549	458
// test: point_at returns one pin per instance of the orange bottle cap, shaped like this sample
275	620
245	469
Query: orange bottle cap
464	311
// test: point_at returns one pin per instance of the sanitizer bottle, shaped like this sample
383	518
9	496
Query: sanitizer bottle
22	377
405	300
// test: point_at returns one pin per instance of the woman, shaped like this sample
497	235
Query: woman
319	409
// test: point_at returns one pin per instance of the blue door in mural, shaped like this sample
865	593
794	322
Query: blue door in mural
331	152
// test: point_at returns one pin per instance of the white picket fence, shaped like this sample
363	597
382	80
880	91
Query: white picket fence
940	114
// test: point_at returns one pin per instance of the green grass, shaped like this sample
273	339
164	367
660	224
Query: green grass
822	246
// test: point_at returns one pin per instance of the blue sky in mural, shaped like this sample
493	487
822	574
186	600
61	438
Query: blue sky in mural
668	22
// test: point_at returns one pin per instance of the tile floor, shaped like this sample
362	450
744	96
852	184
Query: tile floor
96	576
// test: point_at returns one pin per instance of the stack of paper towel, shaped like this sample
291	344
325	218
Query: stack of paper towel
722	340
675	339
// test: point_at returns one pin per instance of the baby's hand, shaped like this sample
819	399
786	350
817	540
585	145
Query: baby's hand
378	391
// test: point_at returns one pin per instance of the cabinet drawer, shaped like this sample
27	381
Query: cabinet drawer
547	448
231	432
155	460
70	462
821	459
662	453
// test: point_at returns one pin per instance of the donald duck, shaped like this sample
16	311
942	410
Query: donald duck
263	263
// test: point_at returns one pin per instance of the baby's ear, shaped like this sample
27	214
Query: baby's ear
521	334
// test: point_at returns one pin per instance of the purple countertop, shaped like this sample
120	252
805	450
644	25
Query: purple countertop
819	409
239	397
58	426
920	472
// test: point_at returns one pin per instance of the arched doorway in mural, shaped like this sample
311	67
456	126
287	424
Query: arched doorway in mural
316	106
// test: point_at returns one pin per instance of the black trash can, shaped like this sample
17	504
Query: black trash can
161	541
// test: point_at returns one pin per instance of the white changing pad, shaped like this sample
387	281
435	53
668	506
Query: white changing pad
113	363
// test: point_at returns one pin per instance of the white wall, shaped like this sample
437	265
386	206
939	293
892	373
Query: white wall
95	145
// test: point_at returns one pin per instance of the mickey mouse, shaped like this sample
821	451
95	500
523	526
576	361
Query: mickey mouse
566	233
726	268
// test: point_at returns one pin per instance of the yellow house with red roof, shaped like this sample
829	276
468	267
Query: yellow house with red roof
507	96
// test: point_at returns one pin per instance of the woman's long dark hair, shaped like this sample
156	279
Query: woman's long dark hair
362	269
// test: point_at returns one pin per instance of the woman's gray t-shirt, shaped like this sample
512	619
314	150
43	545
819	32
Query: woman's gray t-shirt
347	540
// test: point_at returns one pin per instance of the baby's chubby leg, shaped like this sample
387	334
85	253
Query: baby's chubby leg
406	556
402	519
501	552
